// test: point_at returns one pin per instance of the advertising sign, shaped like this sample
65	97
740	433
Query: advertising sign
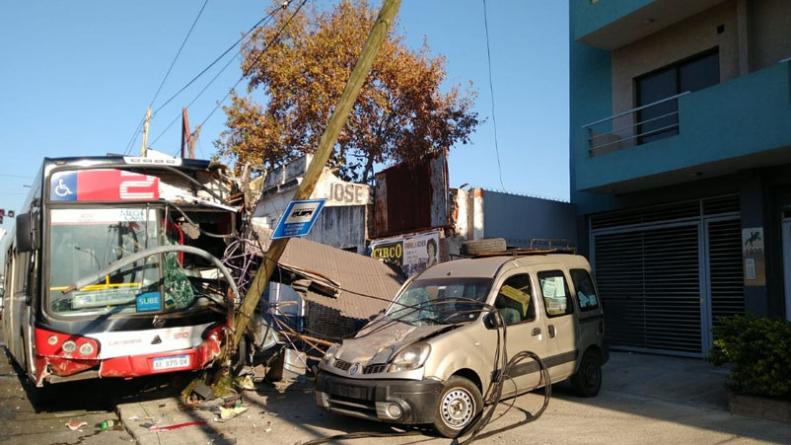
412	253
298	218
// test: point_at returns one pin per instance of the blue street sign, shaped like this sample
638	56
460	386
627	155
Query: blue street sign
298	218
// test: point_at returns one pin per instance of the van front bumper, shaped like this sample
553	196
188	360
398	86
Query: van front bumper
408	402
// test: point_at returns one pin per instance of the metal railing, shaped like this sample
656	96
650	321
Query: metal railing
630	128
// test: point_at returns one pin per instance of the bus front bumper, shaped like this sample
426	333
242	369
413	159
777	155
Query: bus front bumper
51	369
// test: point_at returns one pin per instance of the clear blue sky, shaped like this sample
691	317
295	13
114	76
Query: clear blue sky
76	76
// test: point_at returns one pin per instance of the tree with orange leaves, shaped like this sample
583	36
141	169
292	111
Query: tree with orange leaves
400	115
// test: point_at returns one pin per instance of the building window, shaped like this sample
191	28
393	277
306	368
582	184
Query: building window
586	291
661	120
556	293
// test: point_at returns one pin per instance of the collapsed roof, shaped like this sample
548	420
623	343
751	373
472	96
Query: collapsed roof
350	275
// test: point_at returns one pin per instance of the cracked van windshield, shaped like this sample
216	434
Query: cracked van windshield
440	301
84	241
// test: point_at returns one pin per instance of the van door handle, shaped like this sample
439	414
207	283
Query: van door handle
551	329
536	332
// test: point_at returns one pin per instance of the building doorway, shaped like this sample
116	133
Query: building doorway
667	275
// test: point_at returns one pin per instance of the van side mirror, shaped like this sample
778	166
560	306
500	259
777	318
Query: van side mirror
26	233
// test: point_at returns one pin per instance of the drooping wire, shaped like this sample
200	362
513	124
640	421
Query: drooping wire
167	74
491	94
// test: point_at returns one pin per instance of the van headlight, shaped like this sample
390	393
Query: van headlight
329	356
411	357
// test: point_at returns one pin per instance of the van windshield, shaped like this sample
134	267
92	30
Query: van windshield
440	301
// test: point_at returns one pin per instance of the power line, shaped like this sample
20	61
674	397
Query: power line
194	99
214	62
217	75
268	45
491	94
8	175
178	53
167	74
223	54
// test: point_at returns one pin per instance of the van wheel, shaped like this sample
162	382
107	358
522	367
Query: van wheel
587	380
459	404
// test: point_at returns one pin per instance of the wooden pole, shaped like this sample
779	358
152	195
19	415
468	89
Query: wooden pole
144	145
185	131
327	141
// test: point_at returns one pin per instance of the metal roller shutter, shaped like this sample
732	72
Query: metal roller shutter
725	268
649	281
620	277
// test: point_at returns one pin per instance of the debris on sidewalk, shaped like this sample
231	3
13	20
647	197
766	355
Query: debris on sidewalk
74	425
108	424
230	413
245	382
176	426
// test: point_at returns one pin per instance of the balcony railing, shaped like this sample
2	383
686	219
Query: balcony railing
640	125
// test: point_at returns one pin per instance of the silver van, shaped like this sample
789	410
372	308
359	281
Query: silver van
430	357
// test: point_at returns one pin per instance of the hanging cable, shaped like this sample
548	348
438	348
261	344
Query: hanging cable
491	94
167	74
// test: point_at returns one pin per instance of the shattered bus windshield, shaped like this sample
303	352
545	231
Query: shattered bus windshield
440	301
86	240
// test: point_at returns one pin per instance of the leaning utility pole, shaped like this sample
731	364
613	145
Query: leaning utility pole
328	139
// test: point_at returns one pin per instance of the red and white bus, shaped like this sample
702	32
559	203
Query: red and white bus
160	313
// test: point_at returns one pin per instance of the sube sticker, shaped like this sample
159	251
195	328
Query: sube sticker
148	302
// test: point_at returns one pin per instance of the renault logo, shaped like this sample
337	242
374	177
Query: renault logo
355	369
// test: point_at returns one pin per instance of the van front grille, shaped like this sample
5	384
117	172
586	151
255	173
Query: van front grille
343	365
375	369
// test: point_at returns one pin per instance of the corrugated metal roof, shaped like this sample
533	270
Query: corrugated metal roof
353	272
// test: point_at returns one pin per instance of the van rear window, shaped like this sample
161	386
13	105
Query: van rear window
586	291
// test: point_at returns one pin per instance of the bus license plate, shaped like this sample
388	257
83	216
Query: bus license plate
178	361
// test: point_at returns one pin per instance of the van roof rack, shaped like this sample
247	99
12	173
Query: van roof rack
524	251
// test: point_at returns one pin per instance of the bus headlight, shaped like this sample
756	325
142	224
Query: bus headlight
411	357
52	340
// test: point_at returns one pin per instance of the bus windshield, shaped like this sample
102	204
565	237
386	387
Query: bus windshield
86	240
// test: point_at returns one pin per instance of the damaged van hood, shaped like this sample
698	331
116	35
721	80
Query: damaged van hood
380	340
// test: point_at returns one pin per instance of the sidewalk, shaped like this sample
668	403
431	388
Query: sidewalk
661	399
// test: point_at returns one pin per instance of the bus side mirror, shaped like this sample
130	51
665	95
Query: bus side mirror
25	233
